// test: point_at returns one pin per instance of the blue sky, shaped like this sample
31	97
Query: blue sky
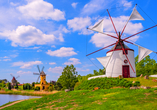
53	34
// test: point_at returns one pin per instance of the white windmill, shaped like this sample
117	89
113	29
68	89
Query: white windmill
120	59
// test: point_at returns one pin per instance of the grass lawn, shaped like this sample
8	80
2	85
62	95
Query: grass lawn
102	99
144	82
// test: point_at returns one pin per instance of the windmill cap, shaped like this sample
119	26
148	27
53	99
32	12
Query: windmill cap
118	46
13	78
42	73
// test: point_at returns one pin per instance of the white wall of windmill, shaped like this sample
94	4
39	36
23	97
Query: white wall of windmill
114	67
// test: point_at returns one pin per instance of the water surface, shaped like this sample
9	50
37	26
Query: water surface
5	98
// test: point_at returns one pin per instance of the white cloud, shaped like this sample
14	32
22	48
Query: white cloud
39	50
62	52
101	40
79	24
23	72
53	46
80	69
6	59
58	69
28	35
33	48
39	9
126	4
14	55
74	4
95	5
26	64
73	61
52	63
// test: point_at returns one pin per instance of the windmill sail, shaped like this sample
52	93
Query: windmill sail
135	15
99	26
103	60
143	52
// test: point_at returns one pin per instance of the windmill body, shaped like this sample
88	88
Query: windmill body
13	82
118	64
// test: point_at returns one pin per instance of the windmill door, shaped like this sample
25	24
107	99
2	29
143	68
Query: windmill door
125	71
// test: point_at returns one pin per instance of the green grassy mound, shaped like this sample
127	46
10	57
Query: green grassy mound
105	83
102	99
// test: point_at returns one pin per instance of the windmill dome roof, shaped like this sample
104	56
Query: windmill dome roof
42	73
118	46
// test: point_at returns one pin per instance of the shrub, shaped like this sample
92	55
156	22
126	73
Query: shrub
58	86
78	83
50	88
9	86
137	83
37	88
103	83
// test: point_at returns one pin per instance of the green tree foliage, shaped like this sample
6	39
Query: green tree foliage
58	86
100	72
68	77
2	84
33	84
50	88
146	66
9	85
16	86
26	86
95	73
37	88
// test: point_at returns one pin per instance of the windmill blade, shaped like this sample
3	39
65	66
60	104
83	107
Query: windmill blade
38	79
137	45
104	33
138	33
100	49
11	75
36	73
38	68
112	23
43	68
17	77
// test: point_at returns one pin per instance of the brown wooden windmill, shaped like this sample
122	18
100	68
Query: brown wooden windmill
14	81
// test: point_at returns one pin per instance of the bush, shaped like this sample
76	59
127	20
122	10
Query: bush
50	88
78	83
37	88
137	83
9	86
103	83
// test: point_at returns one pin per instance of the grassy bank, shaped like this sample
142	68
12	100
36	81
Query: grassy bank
109	99
27	92
144	82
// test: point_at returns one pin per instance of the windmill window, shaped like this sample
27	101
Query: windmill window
126	51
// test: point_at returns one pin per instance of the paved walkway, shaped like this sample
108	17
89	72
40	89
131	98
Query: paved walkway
12	103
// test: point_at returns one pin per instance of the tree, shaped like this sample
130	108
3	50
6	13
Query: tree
16	86
68	77
9	85
101	72
146	66
33	84
50	88
58	86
